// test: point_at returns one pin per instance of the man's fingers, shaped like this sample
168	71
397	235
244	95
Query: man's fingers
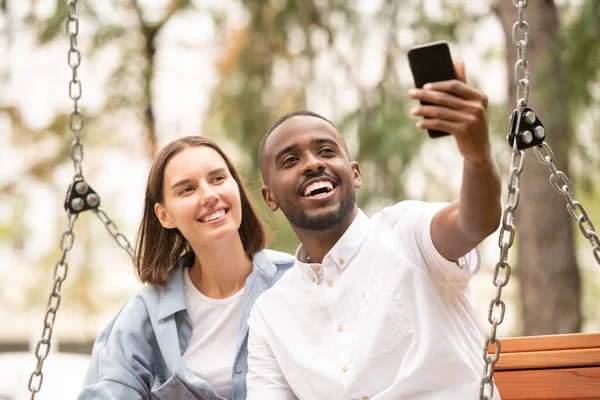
442	113
457	88
439	125
448	93
438	98
459	67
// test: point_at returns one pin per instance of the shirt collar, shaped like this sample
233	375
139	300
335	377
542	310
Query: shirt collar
341	253
172	295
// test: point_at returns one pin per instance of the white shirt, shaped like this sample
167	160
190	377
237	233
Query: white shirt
384	317
216	325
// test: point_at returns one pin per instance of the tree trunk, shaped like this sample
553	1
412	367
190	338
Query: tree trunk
546	266
149	32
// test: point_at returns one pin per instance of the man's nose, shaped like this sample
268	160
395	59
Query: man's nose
312	164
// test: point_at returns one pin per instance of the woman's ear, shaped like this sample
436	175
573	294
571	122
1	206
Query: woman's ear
163	216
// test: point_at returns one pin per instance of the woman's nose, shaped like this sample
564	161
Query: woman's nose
209	197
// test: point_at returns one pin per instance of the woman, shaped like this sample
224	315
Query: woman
200	250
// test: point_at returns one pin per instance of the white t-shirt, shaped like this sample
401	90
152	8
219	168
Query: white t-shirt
210	351
384	317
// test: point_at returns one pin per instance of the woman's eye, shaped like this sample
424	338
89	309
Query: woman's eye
185	190
218	179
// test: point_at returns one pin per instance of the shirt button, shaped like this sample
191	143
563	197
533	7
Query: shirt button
340	328
316	268
330	283
238	369
342	261
313	279
344	368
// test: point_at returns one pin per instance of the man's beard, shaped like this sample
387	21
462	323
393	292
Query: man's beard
301	220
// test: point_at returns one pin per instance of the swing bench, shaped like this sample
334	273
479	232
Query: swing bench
565	367
553	367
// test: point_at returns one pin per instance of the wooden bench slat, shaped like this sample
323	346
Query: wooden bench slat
555	384
549	342
548	359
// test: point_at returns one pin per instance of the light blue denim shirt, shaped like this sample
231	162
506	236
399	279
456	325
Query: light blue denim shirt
138	355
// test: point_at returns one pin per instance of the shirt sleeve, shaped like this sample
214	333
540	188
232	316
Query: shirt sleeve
411	220
118	366
265	380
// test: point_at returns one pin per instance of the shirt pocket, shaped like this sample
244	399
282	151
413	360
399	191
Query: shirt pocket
175	388
381	324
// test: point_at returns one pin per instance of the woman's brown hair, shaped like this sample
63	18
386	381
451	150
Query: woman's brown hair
158	249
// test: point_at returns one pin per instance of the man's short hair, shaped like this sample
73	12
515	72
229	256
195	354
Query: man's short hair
280	121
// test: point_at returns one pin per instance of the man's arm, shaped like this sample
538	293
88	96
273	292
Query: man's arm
462	111
265	380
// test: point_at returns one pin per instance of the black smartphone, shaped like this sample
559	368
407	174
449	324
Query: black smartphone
431	62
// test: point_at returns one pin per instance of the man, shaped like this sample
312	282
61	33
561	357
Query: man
374	308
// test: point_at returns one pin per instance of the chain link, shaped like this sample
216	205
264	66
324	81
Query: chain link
562	185
60	274
111	227
520	37
502	270
75	89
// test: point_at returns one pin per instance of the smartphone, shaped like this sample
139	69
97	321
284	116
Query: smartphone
431	62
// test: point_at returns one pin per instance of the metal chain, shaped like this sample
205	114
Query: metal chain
502	269
522	65
114	231
60	274
68	237
562	185
74	60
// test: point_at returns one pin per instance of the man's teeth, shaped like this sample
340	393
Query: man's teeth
318	185
214	216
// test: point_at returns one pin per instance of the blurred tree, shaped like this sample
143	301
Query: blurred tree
127	27
565	62
296	54
292	54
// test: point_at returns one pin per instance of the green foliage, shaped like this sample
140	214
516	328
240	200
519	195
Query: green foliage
5	232
581	61
581	55
49	29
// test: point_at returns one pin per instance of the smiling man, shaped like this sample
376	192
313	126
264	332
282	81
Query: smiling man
374	308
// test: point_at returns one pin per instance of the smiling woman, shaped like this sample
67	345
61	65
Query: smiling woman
201	250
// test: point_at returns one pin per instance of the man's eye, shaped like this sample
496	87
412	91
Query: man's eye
290	160
327	151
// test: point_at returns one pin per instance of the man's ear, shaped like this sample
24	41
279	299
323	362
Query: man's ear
357	174
162	216
267	196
